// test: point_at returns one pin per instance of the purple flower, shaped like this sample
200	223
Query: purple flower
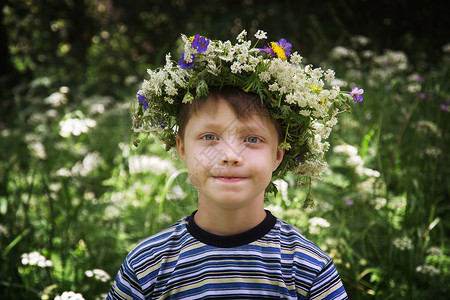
418	77
422	95
349	202
200	42
286	46
444	107
142	100
298	159
268	50
276	47
183	64
356	94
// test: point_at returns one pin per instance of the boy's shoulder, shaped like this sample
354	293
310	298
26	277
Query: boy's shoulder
292	240
169	238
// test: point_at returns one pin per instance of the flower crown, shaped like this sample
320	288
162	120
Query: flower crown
297	96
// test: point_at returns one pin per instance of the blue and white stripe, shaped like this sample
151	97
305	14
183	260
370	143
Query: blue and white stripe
173	264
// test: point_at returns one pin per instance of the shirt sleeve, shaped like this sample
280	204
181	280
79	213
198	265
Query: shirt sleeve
126	285
328	285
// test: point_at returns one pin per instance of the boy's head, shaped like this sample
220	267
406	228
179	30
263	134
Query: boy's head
277	87
229	143
245	105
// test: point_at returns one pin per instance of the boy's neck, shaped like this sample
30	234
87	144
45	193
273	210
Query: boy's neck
227	222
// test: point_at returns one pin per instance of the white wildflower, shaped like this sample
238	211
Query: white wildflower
264	76
69	296
435	251
90	162
37	149
273	87
379	202
282	186
305	112
154	164
241	37
296	58
329	75
403	243
428	270
56	99
98	274
63	172
316	223
4	231
413	87
360	40
367	172
176	193
36	259
261	35
170	88
236	67
346	149
276	210
338	82
75	126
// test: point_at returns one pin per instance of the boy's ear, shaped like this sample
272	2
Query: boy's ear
180	147
278	159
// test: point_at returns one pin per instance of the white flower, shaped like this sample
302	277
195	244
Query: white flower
170	88
282	186
56	99
261	35
379	202
316	223
98	274
75	126
296	58
403	243
273	87
321	222
329	75
428	270
236	67
264	76
90	162
144	163
69	296
37	149
36	259
346	149
241	37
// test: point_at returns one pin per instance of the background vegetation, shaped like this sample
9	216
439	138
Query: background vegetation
75	195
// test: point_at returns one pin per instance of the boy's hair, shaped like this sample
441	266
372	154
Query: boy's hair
243	104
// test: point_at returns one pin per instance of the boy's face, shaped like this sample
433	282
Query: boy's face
230	161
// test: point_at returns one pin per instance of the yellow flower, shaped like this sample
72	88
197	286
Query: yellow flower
278	50
315	88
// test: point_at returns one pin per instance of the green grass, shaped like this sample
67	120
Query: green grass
82	202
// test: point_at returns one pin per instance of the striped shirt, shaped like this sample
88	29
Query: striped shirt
270	261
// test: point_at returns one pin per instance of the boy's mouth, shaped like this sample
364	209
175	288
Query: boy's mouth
229	179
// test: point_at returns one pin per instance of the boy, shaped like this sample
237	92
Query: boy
232	144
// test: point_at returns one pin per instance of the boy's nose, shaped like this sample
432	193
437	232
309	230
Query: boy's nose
231	155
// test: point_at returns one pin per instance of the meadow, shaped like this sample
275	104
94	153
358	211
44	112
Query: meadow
76	195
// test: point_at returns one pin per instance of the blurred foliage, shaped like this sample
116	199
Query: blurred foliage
75	190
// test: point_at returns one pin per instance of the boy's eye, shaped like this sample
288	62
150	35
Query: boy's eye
252	139
209	137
